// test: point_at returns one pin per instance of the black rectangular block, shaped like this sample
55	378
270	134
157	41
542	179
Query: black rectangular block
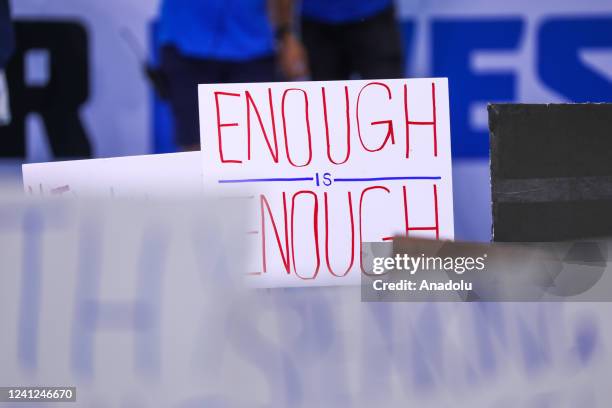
551	171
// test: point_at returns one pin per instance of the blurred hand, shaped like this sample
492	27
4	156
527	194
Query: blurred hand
292	57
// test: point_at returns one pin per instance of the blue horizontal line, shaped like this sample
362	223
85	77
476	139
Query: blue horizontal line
387	178
264	180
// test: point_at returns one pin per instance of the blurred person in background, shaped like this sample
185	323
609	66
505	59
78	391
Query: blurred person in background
219	41
6	49
348	37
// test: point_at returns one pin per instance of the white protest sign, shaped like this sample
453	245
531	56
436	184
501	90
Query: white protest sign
159	175
326	166
122	300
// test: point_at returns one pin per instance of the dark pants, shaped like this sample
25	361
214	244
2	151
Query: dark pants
185	73
6	33
370	48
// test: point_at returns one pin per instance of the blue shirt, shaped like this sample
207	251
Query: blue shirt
233	30
342	11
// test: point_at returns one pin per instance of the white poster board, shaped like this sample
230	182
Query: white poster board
327	165
167	334
159	175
